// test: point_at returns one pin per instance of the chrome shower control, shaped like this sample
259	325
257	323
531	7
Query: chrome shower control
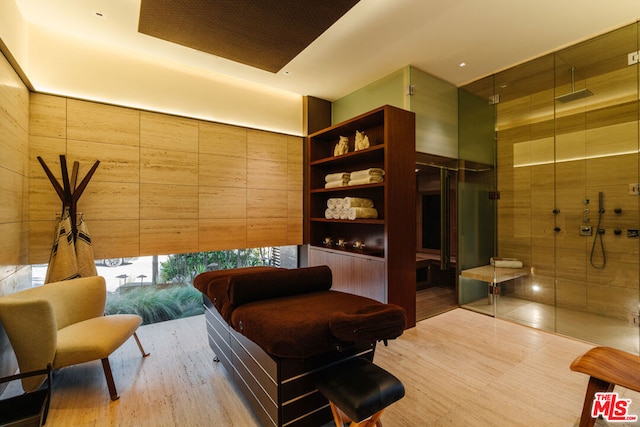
586	230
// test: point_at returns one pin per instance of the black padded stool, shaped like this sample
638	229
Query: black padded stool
360	390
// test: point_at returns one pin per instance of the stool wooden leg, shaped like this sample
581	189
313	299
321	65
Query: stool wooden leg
595	385
337	417
373	421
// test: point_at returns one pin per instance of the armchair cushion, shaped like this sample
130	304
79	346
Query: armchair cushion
93	339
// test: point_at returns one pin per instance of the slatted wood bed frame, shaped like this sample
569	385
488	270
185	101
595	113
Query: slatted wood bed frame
280	390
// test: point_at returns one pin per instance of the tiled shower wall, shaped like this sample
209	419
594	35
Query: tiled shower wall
553	160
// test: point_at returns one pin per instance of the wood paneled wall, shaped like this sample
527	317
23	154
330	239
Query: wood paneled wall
14	207
165	184
14	178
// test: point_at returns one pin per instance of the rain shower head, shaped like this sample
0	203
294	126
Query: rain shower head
574	94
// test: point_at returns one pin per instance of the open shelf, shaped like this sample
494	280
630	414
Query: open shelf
384	269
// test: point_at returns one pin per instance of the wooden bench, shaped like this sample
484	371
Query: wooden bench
606	367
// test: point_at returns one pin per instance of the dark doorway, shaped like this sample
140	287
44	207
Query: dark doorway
436	239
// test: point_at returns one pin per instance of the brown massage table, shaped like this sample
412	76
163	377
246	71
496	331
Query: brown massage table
272	328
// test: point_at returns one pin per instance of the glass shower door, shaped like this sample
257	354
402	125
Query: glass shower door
561	142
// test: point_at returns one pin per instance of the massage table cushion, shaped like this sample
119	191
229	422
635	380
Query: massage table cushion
292	313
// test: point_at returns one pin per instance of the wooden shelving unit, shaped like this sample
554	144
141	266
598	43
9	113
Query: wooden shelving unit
384	268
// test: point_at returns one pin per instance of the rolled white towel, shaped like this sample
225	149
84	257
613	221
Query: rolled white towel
338	176
357	202
339	203
331	202
368	180
368	213
364	173
335	184
336	213
344	213
506	262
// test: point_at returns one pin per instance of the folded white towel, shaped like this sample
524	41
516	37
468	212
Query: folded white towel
338	176
355	213
506	262
366	173
335	184
368	180
357	202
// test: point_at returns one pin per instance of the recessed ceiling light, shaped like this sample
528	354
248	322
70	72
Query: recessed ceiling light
462	64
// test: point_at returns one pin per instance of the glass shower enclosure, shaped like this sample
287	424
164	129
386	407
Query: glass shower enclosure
549	177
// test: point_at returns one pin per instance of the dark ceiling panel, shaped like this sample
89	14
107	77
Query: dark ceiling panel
265	34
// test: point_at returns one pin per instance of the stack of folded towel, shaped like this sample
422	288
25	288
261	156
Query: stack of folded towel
506	262
334	208
362	213
366	176
350	208
338	179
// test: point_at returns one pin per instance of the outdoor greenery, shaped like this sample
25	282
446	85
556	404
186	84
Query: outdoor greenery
176	297
183	268
156	304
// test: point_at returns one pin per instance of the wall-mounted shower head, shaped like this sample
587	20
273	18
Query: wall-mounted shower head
574	94
600	203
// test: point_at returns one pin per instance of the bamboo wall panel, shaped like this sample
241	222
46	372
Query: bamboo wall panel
165	184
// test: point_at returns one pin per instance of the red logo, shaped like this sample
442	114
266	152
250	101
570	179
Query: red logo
612	408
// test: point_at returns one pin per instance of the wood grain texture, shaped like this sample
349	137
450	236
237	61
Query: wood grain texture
458	368
158	170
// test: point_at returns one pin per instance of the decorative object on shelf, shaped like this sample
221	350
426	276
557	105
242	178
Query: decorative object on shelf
362	141
338	179
358	245
342	147
341	243
328	241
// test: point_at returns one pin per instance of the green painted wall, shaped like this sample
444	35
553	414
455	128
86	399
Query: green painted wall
434	101
389	90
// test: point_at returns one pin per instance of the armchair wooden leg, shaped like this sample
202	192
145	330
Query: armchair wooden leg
594	386
135	335
109	377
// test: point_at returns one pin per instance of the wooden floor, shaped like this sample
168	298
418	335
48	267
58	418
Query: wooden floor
435	300
459	368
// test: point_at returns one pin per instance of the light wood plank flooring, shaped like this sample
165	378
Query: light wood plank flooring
459	368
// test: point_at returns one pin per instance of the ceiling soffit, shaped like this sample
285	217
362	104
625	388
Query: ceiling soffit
265	34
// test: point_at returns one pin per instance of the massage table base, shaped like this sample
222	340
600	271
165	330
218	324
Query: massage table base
280	391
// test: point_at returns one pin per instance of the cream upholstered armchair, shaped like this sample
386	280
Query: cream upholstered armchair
63	324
